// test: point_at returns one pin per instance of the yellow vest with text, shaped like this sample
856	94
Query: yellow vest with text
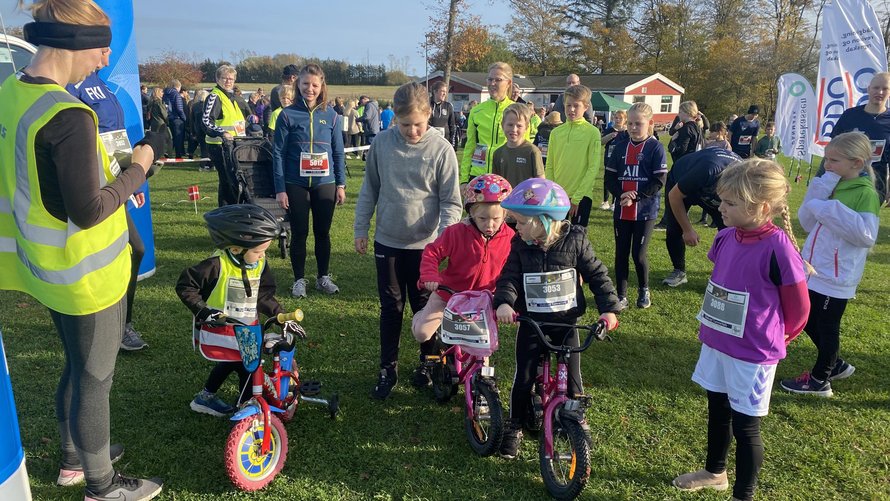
68	269
231	114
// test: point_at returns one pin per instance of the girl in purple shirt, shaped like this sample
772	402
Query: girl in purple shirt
755	303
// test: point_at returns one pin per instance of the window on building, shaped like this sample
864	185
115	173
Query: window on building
639	99
643	90
667	99
665	108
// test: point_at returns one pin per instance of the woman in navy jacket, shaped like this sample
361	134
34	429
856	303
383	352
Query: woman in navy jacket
309	173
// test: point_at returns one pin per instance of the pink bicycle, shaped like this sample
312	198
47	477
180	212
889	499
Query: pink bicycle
564	443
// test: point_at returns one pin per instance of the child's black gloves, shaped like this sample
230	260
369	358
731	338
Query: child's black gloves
211	315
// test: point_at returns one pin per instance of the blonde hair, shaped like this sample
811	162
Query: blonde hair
690	108
286	91
82	12
539	234
641	109
505	68
521	111
854	146
409	98
757	181
225	69
578	93
313	69
157	93
619	113
200	95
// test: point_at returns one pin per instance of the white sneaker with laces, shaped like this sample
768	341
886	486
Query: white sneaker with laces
299	288
326	285
606	206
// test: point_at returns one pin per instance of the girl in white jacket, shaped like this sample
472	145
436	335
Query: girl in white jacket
840	213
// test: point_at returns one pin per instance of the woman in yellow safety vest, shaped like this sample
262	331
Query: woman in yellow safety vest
63	230
223	120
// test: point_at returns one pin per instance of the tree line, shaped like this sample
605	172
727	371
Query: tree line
726	53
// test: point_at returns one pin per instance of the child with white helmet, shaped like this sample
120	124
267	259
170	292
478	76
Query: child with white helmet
476	249
547	249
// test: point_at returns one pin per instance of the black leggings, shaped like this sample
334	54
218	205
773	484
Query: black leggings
582	217
529	351
138	249
398	271
320	200
824	328
226	191
723	424
220	373
674	234
632	239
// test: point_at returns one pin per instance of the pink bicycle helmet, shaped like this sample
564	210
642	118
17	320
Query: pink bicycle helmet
538	197
487	188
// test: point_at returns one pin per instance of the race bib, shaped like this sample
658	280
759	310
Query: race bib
543	148
467	330
480	155
240	128
724	310
550	292
745	140
238	305
120	153
877	149
314	164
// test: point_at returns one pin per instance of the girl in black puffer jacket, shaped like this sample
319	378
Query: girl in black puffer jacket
542	279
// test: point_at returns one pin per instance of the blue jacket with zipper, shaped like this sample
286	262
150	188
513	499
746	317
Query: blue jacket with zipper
298	130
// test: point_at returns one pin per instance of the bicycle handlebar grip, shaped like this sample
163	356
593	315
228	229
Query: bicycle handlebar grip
296	315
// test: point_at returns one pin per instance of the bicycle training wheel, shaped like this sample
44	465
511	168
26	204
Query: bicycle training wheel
566	473
484	430
246	467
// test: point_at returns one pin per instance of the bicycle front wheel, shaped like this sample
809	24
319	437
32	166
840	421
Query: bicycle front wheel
566	473
246	466
485	428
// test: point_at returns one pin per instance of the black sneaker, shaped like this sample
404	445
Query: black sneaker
645	299
660	227
841	370
127	489
511	439
385	382
807	385
422	378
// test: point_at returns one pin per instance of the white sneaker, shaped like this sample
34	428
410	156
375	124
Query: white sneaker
606	206
299	288
326	285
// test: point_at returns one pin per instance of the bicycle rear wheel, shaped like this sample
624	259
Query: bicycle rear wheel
485	429
566	473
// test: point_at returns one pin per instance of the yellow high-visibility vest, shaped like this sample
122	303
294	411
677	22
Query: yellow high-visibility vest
231	116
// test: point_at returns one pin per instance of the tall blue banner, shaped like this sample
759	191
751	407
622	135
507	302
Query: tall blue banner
122	77
13	476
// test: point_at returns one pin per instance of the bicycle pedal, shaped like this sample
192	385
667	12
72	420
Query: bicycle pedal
310	388
578	403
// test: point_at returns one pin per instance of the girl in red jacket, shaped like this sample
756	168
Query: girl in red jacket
476	249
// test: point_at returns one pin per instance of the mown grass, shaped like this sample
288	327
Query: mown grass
648	418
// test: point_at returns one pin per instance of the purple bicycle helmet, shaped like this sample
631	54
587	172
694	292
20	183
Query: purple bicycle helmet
538	197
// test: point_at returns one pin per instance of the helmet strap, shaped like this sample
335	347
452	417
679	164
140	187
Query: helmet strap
244	267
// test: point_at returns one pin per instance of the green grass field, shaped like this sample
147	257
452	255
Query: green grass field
647	421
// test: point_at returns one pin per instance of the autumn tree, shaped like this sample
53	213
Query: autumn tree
535	35
598	34
162	69
469	44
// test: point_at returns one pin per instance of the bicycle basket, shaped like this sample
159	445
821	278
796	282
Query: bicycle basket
469	321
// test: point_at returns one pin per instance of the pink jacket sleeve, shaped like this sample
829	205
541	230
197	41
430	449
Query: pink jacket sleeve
795	301
433	255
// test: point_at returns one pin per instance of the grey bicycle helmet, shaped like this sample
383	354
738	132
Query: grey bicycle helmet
241	225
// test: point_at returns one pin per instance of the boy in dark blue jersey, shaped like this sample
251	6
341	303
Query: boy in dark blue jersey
743	132
635	174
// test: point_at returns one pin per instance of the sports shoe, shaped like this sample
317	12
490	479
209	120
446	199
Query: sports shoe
841	370
132	340
606	206
299	288
510	440
701	479
208	403
645	299
422	378
675	279
387	379
73	474
326	285
660	227
622	303
807	385
127	489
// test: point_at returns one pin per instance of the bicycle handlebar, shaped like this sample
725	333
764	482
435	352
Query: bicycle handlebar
281	318
598	331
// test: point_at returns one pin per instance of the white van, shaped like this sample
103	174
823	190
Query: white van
15	54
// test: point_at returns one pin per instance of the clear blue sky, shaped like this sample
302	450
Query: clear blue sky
354	31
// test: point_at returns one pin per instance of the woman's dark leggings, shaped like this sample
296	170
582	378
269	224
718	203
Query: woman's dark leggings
632	239
320	200
220	373
824	328
723	424
90	343
398	271
529	351
138	249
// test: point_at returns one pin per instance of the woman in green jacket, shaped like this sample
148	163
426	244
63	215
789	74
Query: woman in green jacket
484	134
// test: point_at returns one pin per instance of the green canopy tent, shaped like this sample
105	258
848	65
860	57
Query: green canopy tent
604	102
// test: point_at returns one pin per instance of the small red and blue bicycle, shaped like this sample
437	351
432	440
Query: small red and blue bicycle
564	443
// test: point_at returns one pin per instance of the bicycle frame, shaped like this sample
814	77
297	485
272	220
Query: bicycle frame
467	366
554	392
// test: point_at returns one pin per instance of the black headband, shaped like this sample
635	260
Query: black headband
68	36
